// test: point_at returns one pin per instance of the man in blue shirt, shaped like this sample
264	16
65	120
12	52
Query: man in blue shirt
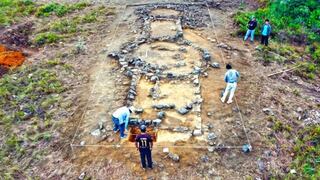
120	120
265	32
231	78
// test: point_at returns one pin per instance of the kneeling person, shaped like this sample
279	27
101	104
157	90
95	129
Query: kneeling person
120	120
144	146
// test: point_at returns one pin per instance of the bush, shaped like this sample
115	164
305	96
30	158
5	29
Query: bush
12	10
58	9
46	38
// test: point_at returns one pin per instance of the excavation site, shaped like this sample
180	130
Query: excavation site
157	89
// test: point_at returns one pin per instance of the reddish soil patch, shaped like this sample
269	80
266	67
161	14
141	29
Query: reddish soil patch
9	59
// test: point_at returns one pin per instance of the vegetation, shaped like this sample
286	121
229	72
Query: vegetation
26	96
307	153
57	29
294	21
11	10
59	9
46	38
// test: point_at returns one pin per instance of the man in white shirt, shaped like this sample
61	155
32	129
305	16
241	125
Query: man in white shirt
120	120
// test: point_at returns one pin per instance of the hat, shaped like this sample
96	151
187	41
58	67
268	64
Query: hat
143	128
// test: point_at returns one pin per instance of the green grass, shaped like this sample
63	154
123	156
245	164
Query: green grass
27	96
59	9
307	153
12	10
292	21
46	38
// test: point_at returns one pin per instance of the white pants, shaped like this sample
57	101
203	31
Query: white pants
231	87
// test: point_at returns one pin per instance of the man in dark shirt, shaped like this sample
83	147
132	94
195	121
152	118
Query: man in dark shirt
252	24
144	145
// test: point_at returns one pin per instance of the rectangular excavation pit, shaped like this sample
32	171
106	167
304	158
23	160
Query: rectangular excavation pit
179	59
177	93
135	131
161	28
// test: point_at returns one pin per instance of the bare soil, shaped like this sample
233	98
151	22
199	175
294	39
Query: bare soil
100	87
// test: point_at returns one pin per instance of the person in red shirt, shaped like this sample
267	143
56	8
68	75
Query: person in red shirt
144	146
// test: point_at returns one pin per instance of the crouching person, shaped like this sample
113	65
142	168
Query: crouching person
120	119
144	146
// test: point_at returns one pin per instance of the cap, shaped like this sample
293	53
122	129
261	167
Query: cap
143	127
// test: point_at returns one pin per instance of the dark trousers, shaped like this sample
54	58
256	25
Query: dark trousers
264	40
145	153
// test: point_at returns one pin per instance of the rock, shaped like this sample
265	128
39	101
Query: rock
210	149
196	70
180	64
101	125
164	106
261	165
183	111
139	110
197	132
312	117
211	172
206	56
96	132
196	81
215	65
299	110
174	157
210	126
180	129
204	158
154	79
268	111
82	176
156	122
82	143
133	122
189	106
183	49
161	115
211	136
114	55
209	114
293	171
165	150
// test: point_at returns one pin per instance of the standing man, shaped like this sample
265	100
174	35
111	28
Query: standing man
231	78
120	120
252	24
144	146
265	32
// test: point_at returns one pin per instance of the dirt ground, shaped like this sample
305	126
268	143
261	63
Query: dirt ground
100	87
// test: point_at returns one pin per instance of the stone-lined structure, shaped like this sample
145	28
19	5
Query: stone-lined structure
189	16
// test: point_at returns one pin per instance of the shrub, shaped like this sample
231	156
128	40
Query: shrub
46	38
58	9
